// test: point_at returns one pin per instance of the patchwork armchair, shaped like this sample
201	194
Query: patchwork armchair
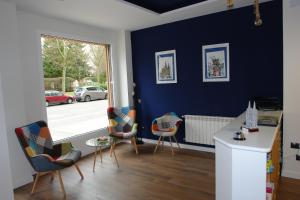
122	125
166	126
45	157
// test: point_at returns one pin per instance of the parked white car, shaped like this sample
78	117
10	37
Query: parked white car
89	93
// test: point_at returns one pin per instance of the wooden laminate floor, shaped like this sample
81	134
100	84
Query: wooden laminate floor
188	175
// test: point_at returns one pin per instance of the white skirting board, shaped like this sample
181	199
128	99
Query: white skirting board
183	146
291	174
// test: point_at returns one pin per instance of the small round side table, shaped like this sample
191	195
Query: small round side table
97	143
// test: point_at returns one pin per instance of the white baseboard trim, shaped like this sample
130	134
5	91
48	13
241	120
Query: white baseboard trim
21	181
184	146
291	174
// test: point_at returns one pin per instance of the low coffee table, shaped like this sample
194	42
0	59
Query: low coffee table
97	143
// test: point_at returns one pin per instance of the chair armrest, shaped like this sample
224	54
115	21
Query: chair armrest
60	149
110	130
178	122
64	147
134	128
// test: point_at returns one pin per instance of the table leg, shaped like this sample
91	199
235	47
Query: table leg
101	153
95	156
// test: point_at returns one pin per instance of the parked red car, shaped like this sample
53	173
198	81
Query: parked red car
56	97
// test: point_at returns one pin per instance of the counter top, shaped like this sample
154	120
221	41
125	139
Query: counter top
261	141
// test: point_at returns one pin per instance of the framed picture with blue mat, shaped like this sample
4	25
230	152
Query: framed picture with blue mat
215	62
166	67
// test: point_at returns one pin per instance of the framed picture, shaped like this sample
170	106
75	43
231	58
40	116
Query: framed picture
215	62
166	67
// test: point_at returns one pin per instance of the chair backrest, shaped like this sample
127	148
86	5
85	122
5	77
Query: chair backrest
168	122
34	138
121	119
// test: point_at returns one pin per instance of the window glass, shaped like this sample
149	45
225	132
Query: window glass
91	89
100	89
79	89
87	71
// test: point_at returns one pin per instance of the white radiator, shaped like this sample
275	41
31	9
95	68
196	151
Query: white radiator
201	129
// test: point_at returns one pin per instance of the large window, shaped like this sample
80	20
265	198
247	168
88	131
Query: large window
77	89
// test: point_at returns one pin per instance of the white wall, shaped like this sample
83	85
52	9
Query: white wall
128	50
125	69
12	85
6	189
22	76
291	40
30	28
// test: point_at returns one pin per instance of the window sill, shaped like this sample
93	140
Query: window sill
90	134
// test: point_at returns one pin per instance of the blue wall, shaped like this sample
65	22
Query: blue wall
256	64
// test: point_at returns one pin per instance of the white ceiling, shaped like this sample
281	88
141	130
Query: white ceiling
117	14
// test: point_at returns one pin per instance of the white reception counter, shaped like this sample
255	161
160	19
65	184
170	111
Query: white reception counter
241	165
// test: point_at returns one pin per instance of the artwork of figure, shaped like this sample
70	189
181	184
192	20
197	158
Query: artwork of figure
215	63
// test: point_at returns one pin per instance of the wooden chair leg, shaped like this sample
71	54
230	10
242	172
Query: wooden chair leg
171	146
52	176
176	141
134	144
79	171
163	143
61	183
157	144
35	182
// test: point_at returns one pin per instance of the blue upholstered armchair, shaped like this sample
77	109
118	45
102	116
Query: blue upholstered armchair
42	154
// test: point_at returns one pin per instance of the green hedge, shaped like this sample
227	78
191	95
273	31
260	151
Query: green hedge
56	84
103	85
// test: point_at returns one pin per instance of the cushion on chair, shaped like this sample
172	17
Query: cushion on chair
68	159
123	135
163	125
164	133
59	149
